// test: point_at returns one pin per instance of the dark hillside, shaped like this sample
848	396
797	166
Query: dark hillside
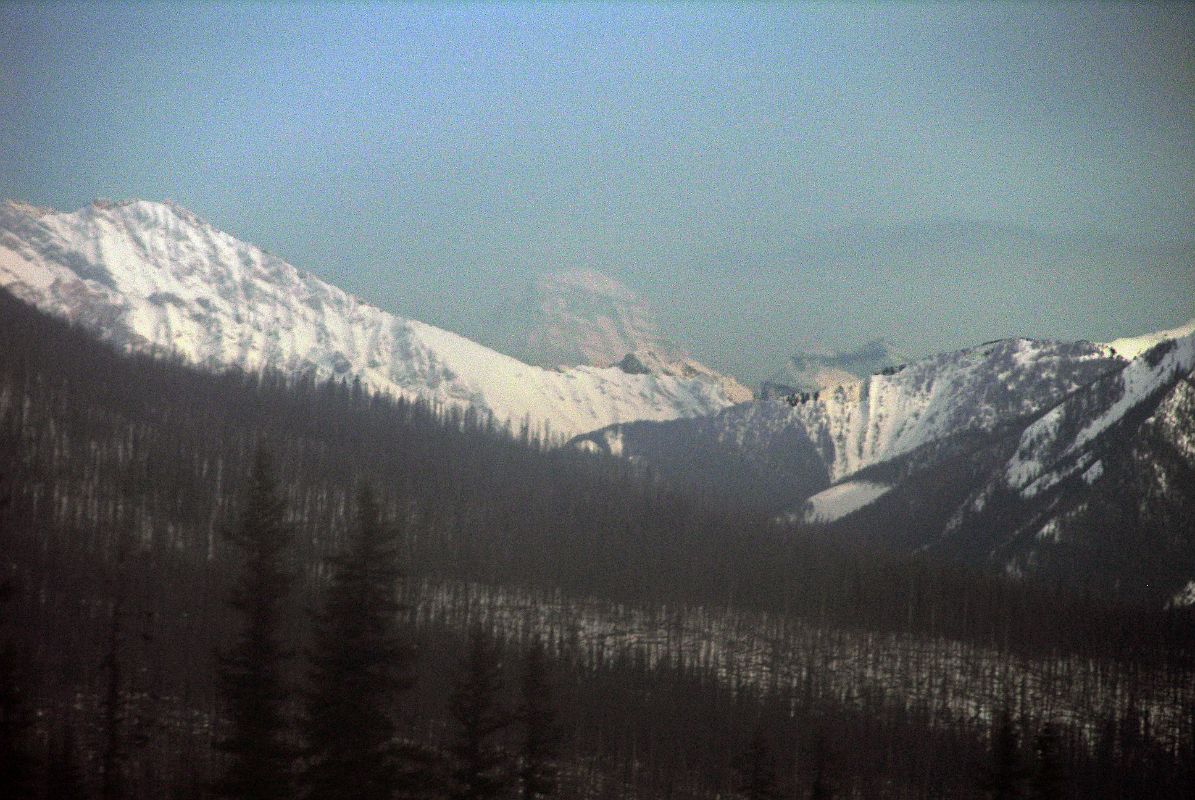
122	472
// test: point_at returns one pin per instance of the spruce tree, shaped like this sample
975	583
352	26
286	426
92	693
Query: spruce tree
755	770
1049	774
480	768
258	745
16	718
64	773
1004	776
822	788
114	755
16	721
538	752
359	667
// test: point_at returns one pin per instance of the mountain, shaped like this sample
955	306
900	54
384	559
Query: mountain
153	276
1061	459
586	317
582	317
1104	480
809	371
867	421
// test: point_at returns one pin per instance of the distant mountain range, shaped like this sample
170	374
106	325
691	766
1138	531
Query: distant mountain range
154	276
1066	460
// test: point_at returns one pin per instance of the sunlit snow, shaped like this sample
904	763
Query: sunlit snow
154	276
845	498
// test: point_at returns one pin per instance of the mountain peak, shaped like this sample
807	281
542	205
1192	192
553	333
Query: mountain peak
154	276
582	316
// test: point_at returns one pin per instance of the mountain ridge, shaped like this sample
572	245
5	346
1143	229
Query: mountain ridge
151	275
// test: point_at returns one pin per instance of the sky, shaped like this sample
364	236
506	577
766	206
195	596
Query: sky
769	177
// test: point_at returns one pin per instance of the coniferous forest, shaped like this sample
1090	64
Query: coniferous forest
263	586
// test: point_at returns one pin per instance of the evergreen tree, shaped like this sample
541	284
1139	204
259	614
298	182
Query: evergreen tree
114	756
1049	773
64	776
258	746
359	667
16	763
537	759
480	768
1004	776
822	788
755	770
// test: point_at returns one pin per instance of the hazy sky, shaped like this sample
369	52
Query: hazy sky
769	177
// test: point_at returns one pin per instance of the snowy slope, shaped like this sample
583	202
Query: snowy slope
154	276
1102	485
1132	346
869	422
647	361
841	499
1053	447
865	422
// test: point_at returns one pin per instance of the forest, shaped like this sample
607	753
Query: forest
258	585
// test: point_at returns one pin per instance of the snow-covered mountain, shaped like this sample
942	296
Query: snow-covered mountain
1056	445
1066	459
870	420
586	317
583	317
1105	479
154	276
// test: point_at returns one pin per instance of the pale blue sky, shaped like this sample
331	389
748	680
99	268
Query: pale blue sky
768	176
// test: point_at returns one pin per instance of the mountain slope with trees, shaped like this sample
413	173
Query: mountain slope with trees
125	471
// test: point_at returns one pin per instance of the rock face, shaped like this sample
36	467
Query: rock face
866	421
153	276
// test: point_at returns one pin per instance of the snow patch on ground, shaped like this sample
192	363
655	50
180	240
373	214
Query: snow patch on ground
1184	597
845	498
1050	532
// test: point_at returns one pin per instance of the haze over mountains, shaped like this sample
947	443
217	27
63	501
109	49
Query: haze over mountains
585	317
1016	453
